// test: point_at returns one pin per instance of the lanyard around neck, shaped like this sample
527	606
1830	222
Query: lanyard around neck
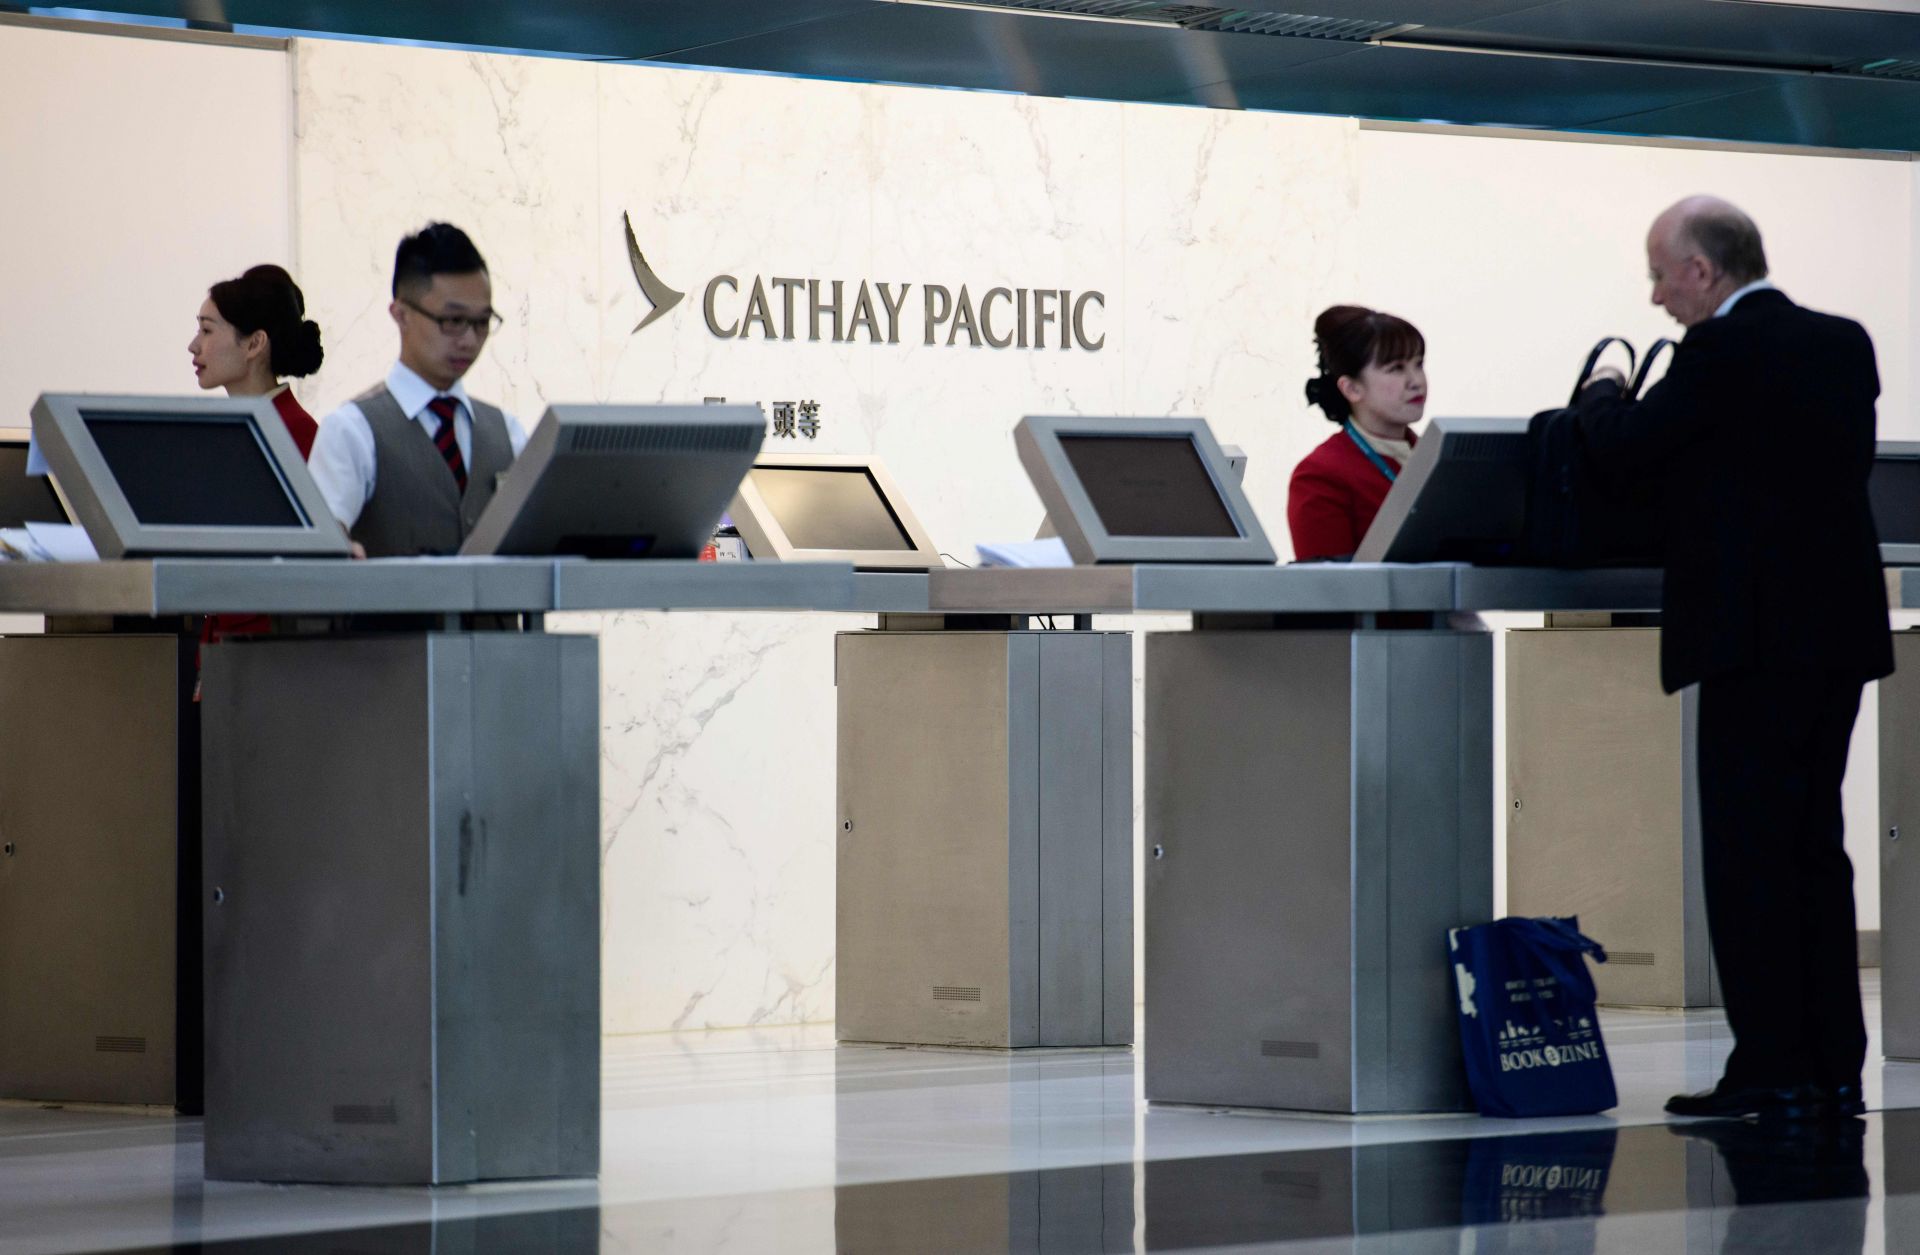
1372	454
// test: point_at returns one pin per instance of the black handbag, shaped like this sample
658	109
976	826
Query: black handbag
1575	518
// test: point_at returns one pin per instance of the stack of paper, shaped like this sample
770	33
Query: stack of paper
1051	552
47	542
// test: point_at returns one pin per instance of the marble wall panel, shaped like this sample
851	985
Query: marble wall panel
1241	227
389	138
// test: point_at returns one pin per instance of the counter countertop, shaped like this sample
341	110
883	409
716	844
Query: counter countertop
174	586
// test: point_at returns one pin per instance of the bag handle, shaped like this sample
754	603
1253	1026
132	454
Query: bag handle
1552	940
1646	365
1593	359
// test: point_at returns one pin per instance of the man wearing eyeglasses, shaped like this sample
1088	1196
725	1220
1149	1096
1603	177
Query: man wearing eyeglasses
408	465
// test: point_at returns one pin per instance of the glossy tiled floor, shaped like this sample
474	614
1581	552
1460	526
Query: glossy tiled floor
780	1141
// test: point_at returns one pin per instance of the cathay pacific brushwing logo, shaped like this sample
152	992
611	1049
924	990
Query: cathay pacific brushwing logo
849	311
663	297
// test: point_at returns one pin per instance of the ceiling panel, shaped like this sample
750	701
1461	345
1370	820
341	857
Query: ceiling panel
1718	29
885	41
1820	112
1415	85
586	28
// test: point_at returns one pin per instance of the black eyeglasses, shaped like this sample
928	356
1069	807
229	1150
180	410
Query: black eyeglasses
451	325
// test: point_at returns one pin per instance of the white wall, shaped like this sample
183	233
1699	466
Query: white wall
137	173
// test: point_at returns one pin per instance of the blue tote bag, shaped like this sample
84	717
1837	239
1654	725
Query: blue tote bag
1528	1026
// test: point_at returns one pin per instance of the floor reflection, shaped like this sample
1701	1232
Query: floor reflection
1703	1189
1711	1188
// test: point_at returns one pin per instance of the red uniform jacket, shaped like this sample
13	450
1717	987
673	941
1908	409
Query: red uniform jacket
1334	495
300	424
303	429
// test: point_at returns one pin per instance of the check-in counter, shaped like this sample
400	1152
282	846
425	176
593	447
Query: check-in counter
984	863
1602	807
1319	759
985	809
401	904
99	867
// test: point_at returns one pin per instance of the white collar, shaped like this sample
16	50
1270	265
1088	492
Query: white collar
412	392
1758	285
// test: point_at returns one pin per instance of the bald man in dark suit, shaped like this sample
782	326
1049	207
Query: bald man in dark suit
1762	435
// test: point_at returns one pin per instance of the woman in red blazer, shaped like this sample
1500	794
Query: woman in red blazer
252	333
1373	382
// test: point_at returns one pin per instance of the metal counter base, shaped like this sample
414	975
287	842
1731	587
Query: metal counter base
99	871
402	926
1319	813
985	863
1603	817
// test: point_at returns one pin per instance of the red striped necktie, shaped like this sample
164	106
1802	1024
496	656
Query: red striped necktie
445	408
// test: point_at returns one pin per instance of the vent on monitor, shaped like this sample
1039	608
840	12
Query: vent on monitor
366	1113
956	993
1482	446
1632	958
658	438
120	1045
1290	1049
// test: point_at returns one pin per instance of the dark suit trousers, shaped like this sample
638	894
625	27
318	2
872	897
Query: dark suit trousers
1772	752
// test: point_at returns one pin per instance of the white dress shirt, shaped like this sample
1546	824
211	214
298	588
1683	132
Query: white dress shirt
342	461
1758	285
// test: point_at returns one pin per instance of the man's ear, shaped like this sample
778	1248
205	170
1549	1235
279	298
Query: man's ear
395	311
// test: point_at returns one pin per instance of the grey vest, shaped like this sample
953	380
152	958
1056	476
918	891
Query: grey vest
416	508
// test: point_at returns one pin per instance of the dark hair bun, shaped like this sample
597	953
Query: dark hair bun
302	355
1350	338
267	299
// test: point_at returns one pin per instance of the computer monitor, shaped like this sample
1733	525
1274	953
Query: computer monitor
1140	490
1236	466
26	498
1462	496
621	481
205	476
795	507
1894	488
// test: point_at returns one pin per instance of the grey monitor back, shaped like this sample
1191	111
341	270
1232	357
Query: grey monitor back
26	498
1236	466
823	507
209	476
1462	496
621	481
1140	490
1894	488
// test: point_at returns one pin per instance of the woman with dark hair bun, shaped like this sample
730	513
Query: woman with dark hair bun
1373	382
254	332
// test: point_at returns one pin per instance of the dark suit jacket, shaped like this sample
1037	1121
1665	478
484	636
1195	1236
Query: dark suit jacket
1762	433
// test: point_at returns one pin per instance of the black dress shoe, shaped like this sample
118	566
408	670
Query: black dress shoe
1842	1100
1784	1102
